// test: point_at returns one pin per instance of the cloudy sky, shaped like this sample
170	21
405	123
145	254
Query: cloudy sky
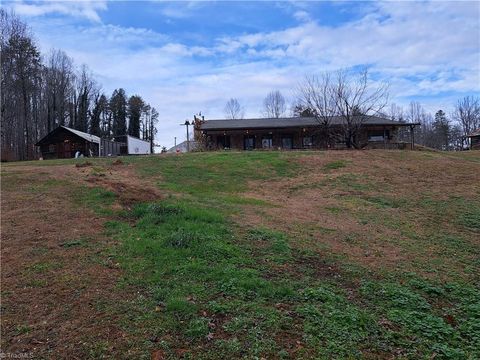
187	57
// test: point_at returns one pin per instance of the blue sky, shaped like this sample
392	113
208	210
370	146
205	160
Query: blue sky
186	57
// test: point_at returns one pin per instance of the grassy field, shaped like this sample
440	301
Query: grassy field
274	255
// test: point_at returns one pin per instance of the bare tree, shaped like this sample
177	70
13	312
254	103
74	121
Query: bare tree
467	114
396	113
233	110
59	78
37	97
417	114
315	97
85	92
356	99
21	72
274	105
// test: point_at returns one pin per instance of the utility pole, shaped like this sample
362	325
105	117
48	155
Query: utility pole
187	124
175	143
152	143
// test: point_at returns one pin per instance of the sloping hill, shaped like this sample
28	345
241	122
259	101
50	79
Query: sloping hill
370	254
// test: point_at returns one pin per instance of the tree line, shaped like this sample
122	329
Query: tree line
440	131
40	93
354	97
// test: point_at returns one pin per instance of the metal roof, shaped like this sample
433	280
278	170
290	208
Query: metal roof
83	135
88	137
474	134
265	123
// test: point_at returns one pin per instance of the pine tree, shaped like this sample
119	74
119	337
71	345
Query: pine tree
441	128
135	107
118	107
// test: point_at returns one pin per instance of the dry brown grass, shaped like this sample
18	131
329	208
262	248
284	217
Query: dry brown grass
55	275
327	209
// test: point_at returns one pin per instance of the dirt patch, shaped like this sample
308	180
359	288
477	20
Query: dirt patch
124	182
58	285
117	162
84	164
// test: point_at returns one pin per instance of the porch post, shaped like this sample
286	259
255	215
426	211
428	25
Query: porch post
384	137
412	137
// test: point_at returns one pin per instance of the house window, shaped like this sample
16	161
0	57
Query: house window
51	148
307	141
267	142
249	142
378	135
287	142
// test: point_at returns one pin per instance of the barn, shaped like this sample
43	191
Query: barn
64	142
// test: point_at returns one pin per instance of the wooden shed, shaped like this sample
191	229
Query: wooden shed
64	142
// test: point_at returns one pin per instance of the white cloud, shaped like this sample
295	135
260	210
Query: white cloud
301	15
87	9
423	49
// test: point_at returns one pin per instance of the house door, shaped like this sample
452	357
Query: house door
60	151
249	142
67	148
223	141
287	142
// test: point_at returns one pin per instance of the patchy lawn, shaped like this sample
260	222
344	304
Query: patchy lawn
365	254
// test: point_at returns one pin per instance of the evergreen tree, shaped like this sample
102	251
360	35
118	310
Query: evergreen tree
118	108
441	129
135	107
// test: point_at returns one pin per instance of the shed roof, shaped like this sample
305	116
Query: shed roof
86	136
263	123
83	135
474	134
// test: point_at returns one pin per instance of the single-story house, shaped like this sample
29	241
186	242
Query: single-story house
299	133
474	140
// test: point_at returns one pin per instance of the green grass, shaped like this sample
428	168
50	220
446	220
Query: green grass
206	174
213	287
211	275
333	165
96	199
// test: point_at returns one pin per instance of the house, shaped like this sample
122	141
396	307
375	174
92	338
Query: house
64	142
299	133
474	140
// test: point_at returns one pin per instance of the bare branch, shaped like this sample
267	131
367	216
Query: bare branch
274	105
233	110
